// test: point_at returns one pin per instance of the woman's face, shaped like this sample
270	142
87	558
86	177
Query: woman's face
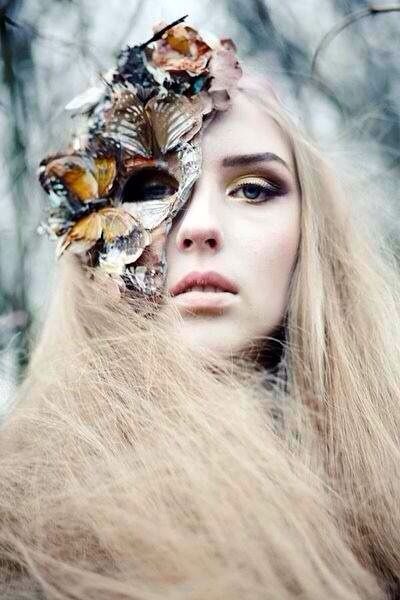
239	232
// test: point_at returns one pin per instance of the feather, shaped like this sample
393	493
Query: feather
86	101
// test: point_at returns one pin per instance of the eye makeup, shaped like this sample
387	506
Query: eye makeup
256	189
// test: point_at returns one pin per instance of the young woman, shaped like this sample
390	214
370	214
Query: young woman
238	439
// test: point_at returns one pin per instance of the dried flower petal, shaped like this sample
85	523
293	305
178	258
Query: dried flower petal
221	100
181	49
225	70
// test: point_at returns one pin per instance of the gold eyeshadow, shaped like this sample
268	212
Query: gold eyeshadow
256	183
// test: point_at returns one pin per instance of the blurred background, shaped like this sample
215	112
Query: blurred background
334	62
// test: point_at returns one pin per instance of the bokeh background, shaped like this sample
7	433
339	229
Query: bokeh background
334	62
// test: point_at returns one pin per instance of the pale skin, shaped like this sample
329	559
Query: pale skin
240	229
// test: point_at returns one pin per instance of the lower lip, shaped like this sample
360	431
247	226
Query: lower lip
204	302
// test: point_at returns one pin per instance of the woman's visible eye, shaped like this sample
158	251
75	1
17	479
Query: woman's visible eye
149	184
256	189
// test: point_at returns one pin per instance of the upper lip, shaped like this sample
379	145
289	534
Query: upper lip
211	278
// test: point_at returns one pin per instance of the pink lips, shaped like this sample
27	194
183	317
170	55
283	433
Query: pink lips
209	278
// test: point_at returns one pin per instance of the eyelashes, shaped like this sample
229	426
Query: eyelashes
256	189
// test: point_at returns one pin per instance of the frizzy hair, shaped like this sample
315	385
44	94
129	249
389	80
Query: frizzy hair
133	467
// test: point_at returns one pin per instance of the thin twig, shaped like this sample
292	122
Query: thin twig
348	20
160	33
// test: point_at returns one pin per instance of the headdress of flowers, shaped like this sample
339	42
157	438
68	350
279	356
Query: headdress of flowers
145	117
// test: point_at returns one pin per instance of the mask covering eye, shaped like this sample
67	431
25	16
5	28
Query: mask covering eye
149	186
114	193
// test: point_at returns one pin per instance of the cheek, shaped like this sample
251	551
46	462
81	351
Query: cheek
271	245
277	255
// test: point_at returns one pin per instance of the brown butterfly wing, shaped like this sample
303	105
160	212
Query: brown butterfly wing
88	229
70	176
116	223
82	235
172	118
106	171
124	239
126	123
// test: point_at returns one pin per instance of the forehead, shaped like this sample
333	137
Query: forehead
245	128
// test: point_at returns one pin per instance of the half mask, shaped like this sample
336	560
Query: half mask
114	192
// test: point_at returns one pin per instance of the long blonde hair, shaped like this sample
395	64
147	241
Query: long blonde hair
134	467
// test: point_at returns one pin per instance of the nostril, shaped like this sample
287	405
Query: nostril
203	239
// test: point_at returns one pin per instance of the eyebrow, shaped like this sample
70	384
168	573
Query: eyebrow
245	159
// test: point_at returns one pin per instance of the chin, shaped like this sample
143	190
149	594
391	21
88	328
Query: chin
210	333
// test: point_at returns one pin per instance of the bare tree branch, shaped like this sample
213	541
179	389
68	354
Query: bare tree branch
370	10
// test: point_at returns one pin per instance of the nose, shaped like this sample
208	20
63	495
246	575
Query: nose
199	229
201	238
